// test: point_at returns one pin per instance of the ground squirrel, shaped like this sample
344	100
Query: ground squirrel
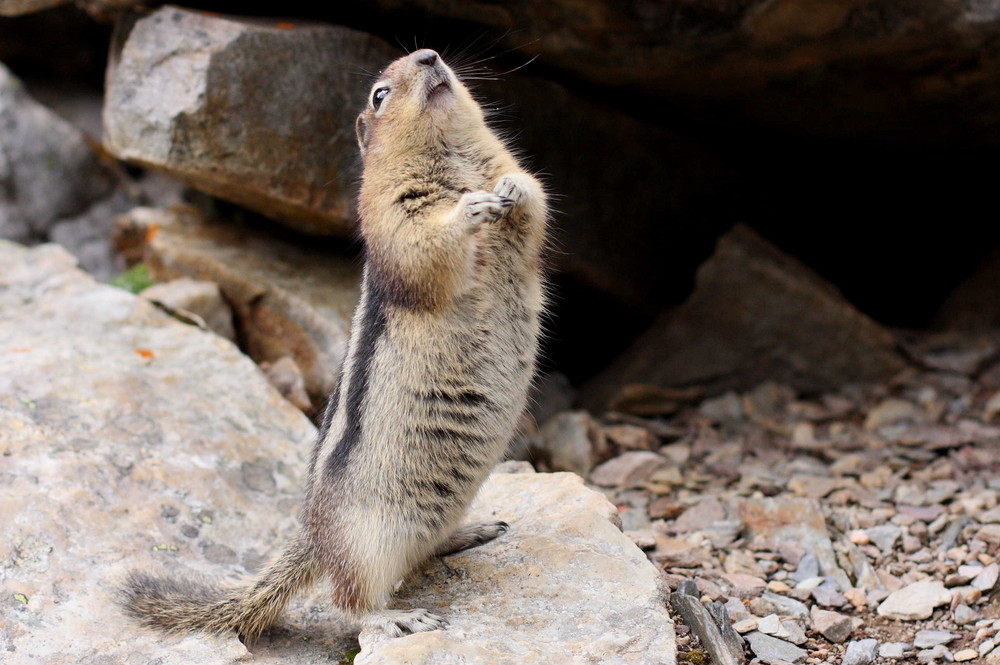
442	353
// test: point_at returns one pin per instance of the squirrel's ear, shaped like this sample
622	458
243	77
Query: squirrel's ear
361	127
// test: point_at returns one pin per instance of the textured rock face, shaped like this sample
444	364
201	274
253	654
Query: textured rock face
288	300
127	440
827	68
47	170
18	7
755	315
564	585
256	112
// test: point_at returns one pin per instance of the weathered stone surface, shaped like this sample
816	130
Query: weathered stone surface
48	171
834	626
914	601
894	412
702	623
628	469
288	300
987	578
201	298
734	330
861	652
797	520
925	639
774	651
563	585
570	441
19	7
285	375
124	436
700	516
827	69
256	112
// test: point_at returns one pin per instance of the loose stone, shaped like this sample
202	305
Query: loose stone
861	652
915	601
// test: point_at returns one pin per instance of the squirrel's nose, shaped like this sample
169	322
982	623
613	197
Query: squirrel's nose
426	57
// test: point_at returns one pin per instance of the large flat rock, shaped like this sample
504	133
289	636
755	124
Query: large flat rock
252	111
127	440
564	585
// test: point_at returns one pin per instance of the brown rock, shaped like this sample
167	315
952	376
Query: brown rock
631	437
288	300
286	376
834	626
743	586
628	469
665	508
570	441
256	112
678	553
700	516
893	412
735	325
191	296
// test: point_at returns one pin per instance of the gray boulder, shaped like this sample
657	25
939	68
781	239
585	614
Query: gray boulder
563	585
128	440
48	171
256	112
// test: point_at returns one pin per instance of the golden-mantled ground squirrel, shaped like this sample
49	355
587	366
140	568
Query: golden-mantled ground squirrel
442	353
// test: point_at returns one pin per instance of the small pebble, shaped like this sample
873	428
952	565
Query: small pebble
857	598
893	650
860	652
859	537
940	652
931	638
964	615
987	579
833	626
828	596
771	625
810	583
965	654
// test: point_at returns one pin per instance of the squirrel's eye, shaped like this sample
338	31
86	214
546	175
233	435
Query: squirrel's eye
378	96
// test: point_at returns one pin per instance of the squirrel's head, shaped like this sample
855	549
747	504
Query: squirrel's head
417	101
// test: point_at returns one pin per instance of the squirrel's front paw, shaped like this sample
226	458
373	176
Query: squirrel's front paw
482	207
513	187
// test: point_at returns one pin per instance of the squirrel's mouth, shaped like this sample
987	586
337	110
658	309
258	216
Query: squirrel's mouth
435	88
438	82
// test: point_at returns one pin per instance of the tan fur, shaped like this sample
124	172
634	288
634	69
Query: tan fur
442	353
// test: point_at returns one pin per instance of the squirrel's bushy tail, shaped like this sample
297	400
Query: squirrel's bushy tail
183	606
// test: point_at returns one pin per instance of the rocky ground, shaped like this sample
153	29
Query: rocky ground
857	526
794	516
